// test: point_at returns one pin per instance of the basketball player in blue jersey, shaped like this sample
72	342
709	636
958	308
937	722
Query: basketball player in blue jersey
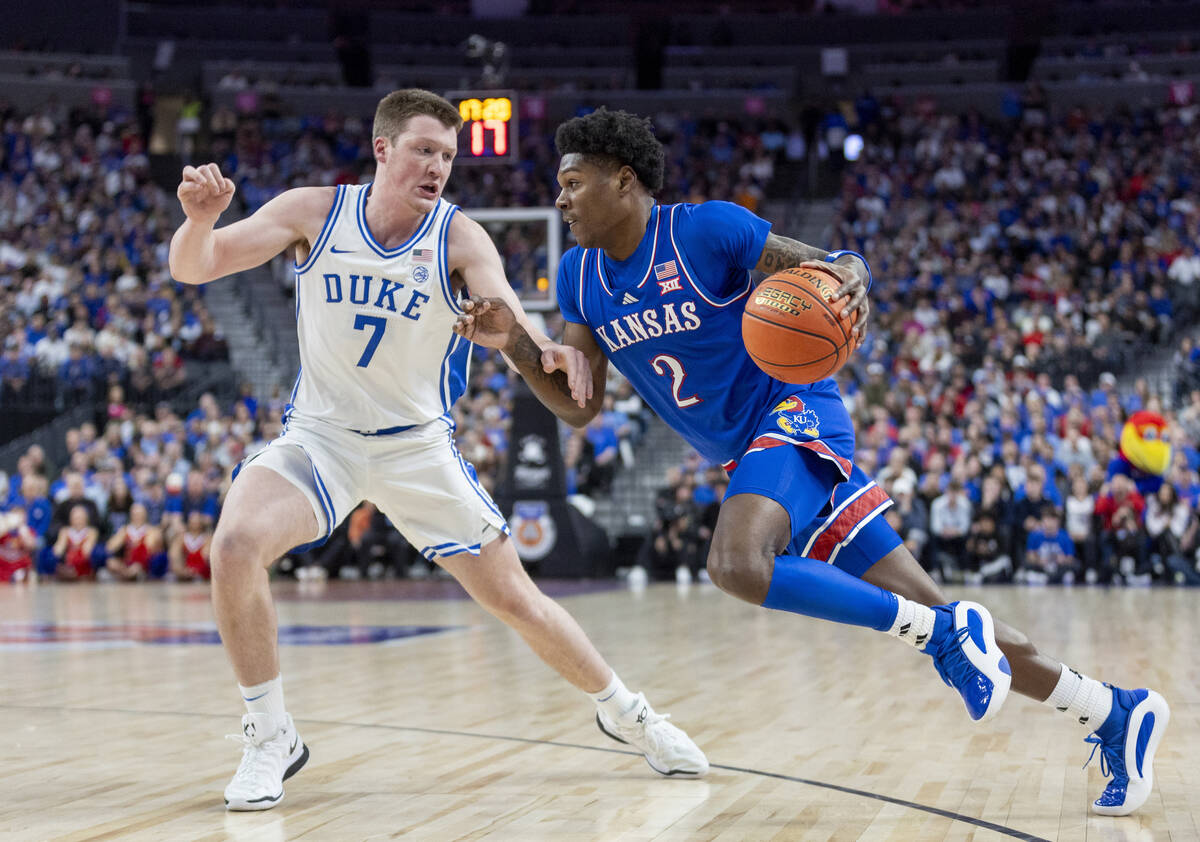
380	269
659	291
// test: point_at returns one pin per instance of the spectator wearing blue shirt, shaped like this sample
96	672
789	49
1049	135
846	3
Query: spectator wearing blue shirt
153	496
246	396
493	378
33	499
620	424
1107	387
14	371
36	331
600	459
630	403
194	497
1030	500
1049	553
77	374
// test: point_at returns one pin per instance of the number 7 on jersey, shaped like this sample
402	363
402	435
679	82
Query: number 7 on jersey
377	325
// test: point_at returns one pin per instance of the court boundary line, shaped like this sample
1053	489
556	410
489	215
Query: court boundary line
862	793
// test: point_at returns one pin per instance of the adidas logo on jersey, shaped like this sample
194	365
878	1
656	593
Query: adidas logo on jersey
628	299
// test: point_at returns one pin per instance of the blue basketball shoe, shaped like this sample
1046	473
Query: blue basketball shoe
964	650
1127	741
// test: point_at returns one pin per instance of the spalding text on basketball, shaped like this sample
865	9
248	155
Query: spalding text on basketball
783	301
824	288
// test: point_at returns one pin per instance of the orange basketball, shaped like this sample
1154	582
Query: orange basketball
792	327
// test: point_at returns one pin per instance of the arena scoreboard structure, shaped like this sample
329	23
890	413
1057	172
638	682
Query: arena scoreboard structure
489	132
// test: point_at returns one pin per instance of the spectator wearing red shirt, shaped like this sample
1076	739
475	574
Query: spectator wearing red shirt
1121	510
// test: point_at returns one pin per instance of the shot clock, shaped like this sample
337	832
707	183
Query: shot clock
489	132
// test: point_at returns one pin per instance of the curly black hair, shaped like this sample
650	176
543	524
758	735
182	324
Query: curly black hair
618	137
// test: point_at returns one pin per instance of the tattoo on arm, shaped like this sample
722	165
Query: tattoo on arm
781	253
527	357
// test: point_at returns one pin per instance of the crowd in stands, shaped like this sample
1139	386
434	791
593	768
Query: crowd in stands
86	299
722	159
706	158
1021	266
90	315
1035	503
139	492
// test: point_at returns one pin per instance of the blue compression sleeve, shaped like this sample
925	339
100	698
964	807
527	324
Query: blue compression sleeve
804	585
816	589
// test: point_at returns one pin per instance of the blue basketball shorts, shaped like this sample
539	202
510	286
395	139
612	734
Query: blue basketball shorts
804	447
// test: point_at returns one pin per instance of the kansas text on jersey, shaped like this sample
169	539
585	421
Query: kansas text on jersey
669	318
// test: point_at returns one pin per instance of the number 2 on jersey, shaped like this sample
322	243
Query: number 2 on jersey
666	364
377	325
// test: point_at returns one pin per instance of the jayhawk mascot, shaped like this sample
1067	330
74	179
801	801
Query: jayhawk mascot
1144	453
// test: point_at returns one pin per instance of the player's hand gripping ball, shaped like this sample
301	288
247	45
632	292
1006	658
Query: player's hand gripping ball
792	327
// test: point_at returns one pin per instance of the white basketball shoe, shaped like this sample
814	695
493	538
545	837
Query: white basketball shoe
668	750
270	755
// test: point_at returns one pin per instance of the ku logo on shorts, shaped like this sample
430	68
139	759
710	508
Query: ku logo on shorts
795	419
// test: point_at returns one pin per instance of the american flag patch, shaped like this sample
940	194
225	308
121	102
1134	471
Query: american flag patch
422	255
665	270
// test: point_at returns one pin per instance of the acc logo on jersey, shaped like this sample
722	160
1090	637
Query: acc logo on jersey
420	274
795	419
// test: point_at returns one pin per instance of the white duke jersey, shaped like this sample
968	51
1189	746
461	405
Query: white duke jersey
378	353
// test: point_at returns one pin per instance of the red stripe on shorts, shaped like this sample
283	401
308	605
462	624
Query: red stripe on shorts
822	449
763	442
845	522
777	440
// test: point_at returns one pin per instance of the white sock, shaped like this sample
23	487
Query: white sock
615	699
913	623
266	698
1081	698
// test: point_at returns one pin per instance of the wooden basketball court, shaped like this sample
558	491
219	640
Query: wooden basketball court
429	720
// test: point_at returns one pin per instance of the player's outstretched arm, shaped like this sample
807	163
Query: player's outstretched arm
781	253
565	377
579	357
562	376
200	254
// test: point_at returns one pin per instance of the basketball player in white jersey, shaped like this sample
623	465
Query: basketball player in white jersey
379	271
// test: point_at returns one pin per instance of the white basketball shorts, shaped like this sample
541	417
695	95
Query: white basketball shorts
417	478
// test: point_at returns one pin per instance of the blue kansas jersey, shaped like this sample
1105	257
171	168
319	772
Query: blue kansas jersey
670	319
